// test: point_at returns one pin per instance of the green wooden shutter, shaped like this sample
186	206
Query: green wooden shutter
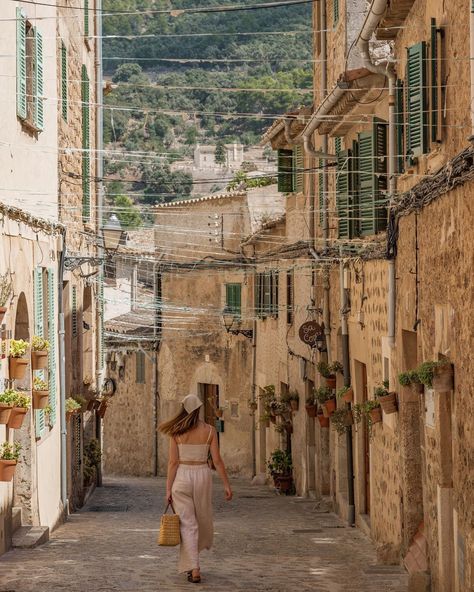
380	131
285	171
86	165
354	193
298	161
20	63
400	126
101	322
337	144
140	367
38	114
417	107
64	82
52	331
39	330
321	189
335	10
257	294
343	190
86	18
273	277
234	298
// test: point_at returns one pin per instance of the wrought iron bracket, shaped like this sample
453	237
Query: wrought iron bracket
71	263
245	332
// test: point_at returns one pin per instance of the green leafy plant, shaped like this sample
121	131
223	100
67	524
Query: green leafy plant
7	397
340	420
264	417
408	378
47	410
361	410
39	384
18	348
381	391
280	462
6	288
322	394
19	399
329	370
311	399
426	370
290	396
79	399
342	391
72	405
10	451
92	459
39	344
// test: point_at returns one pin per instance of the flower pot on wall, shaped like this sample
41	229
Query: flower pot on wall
311	410
70	414
17	368
443	378
39	360
323	421
295	405
329	407
284	483
331	382
418	388
40	399
7	469
5	412
389	403
376	415
17	417
348	396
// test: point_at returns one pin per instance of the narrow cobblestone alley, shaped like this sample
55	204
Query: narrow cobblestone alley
262	542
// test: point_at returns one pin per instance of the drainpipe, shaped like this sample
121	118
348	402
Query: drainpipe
347	382
62	380
373	18
472	66
254	395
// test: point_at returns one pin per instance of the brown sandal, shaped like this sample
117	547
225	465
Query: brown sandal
193	579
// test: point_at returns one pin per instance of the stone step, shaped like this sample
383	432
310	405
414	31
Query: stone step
29	537
16	519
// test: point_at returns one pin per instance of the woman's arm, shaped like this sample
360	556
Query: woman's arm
173	463
219	464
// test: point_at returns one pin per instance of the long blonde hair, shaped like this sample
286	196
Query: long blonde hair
181	423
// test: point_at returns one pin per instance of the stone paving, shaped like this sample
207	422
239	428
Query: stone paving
263	542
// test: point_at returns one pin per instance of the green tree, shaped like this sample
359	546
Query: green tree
127	212
220	155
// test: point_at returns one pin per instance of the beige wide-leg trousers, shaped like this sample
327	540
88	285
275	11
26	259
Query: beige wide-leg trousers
192	499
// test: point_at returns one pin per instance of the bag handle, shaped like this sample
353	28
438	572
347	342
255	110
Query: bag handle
172	507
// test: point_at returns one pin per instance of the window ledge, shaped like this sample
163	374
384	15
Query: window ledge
29	127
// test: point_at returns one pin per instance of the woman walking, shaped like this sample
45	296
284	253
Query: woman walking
189	484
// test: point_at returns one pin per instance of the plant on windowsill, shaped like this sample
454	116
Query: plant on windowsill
292	400
21	404
387	399
324	396
39	353
411	379
346	393
9	456
17	361
40	393
72	407
6	288
280	467
6	407
342	419
311	406
437	375
329	371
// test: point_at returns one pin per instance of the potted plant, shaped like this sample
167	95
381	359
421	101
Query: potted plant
311	406
387	399
280	467
292	399
342	419
21	404
72	407
411	379
6	288
39	353
325	398
328	371
346	393
9	455
17	360
323	420
40	393
6	407
437	375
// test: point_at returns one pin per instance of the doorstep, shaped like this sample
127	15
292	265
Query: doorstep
29	537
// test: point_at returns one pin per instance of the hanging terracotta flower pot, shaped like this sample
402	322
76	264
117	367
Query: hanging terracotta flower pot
3	310
39	360
323	421
7	469
348	396
294	404
443	378
418	388
389	403
17	368
329	407
311	410
17	417
5	412
331	382
376	415
40	399
70	414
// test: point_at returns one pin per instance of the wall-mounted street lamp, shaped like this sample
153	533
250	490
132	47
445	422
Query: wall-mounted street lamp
320	343
112	234
229	320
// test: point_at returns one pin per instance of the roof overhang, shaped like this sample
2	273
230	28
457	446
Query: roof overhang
394	17
294	121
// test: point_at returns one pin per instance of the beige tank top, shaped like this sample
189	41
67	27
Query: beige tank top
194	452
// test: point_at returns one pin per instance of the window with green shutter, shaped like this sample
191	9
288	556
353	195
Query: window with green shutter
372	163
298	162
266	297
436	83
21	63
52	332
335	11
86	163
343	193
337	144
38	97
290	284
285	171
101	322
64	82
321	189
39	300
417	101
234	299
140	367
400	125
86	18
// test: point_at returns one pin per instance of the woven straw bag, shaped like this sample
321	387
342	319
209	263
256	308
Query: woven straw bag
169	535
